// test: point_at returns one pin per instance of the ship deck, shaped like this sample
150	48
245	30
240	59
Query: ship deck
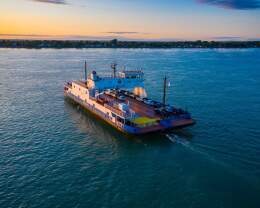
149	115
138	107
142	107
156	110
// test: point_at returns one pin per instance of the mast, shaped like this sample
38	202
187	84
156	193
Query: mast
164	90
113	66
86	70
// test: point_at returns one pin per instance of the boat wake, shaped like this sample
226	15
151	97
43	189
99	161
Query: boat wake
174	138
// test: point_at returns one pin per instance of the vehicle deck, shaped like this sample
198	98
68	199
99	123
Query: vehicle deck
139	106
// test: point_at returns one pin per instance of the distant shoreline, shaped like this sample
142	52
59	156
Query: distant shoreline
80	44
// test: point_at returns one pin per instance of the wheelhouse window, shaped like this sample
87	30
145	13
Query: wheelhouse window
119	119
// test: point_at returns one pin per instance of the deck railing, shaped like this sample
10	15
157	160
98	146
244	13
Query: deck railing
114	110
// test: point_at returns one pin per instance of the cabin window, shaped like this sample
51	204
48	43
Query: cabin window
113	115
121	120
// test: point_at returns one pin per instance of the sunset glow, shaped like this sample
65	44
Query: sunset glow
125	19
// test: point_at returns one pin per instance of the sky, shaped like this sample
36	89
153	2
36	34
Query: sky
130	19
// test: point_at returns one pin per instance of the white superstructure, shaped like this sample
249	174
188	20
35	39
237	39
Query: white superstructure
123	80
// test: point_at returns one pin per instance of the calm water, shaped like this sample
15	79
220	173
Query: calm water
52	154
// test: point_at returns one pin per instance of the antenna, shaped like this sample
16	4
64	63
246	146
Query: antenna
86	71
164	90
113	66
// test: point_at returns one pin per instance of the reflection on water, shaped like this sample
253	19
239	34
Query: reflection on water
90	125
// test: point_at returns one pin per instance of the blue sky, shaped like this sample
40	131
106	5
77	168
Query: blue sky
130	19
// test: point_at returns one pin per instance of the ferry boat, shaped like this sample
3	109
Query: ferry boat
121	100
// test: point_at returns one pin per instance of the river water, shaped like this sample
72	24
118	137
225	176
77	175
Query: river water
53	154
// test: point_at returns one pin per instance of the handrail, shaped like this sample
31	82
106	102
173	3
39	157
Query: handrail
115	110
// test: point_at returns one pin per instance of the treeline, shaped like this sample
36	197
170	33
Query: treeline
125	44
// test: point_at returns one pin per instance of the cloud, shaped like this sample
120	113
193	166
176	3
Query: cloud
22	35
233	4
52	1
123	33
70	37
54	37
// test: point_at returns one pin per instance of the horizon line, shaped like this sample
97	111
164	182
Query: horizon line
138	40
72	37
